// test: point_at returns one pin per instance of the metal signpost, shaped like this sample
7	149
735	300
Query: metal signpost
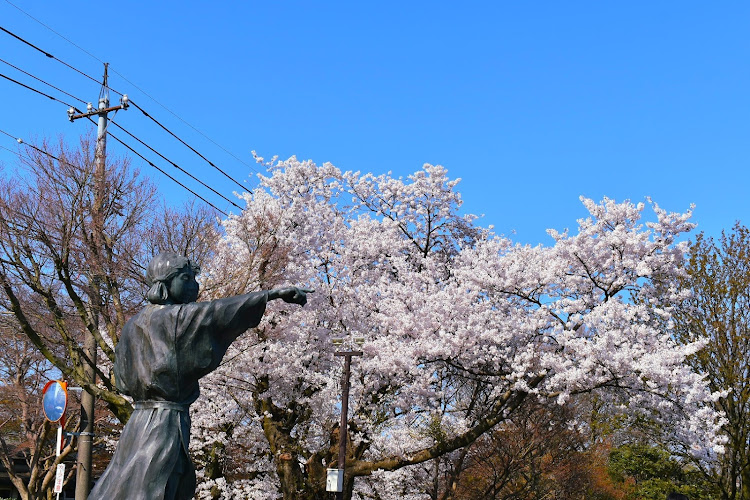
54	404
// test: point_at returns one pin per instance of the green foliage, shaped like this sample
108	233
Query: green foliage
647	472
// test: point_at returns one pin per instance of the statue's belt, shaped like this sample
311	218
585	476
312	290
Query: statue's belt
160	405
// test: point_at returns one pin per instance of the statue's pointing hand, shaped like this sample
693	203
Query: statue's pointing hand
292	294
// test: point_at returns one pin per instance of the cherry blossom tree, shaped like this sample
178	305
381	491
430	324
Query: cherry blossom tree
462	326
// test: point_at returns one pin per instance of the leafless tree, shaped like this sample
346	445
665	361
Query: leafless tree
73	249
25	434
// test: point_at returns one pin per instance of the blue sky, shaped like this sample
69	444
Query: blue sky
531	104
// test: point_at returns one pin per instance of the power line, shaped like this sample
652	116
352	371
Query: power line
8	149
53	31
186	144
21	39
131	83
39	79
27	43
29	145
172	178
38	92
131	102
11	136
20	141
165	158
174	164
192	127
179	118
49	55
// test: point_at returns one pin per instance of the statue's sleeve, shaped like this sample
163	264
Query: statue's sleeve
204	330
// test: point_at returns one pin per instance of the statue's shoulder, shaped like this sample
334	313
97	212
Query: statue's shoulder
149	313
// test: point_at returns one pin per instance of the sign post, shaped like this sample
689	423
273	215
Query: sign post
59	442
54	403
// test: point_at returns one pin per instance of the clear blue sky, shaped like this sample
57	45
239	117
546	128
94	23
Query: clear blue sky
531	104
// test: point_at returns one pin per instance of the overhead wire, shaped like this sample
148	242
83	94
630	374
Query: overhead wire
8	149
194	128
49	55
28	145
20	141
169	176
181	119
112	122
186	144
39	79
11	136
134	104
152	149
53	31
117	92
39	92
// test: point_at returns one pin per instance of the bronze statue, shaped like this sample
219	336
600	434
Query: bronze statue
162	353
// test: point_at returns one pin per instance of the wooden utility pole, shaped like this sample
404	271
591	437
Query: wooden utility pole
83	465
344	424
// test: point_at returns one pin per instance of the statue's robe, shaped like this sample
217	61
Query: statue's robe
162	353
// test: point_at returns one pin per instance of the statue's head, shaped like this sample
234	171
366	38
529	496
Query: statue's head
172	279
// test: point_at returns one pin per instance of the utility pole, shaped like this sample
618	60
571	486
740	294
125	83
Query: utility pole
344	423
83	464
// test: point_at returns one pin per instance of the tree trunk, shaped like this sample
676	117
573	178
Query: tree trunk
285	454
316	477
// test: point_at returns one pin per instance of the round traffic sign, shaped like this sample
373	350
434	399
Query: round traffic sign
54	400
